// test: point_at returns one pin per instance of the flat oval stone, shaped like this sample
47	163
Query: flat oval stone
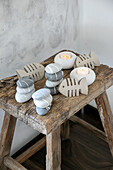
42	111
43	103
53	68
54	77
41	94
25	90
25	82
53	83
21	98
53	90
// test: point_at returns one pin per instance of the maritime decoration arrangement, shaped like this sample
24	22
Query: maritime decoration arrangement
81	72
43	101
25	89
84	60
33	70
71	87
54	76
66	59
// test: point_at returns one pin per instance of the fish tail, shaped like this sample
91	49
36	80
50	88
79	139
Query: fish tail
83	86
94	58
21	73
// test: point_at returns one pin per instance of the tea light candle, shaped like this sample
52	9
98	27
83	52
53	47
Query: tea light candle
81	72
65	56
65	59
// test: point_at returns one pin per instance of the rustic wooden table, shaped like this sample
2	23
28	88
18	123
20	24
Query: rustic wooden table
62	110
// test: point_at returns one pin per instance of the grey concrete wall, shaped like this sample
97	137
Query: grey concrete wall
31	31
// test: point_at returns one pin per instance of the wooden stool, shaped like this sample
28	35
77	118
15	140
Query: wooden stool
61	111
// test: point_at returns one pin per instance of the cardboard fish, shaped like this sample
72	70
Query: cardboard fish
34	70
71	87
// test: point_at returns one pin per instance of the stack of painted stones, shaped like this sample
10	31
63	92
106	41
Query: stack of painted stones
42	100
54	75
25	89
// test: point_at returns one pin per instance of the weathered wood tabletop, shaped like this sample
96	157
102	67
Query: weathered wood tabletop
62	108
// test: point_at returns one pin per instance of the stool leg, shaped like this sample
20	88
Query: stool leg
6	137
65	130
53	144
106	117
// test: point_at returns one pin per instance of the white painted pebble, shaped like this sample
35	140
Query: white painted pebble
25	90
41	94
43	103
21	98
53	68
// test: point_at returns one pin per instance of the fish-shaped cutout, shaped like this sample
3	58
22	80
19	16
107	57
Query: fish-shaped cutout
71	87
84	60
34	70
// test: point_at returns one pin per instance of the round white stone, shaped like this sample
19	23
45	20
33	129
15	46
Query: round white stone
65	63
43	103
25	90
90	77
53	83
53	68
41	94
21	98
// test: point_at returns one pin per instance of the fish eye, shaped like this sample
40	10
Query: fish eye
63	86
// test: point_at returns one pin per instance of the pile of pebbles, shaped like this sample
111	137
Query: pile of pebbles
43	100
54	76
25	89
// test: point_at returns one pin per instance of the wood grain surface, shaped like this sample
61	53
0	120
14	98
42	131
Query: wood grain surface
62	109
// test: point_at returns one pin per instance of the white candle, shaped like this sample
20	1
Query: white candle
65	56
66	59
82	71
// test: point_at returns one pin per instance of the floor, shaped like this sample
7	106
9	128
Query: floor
84	150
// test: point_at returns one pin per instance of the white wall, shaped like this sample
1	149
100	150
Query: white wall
96	32
31	31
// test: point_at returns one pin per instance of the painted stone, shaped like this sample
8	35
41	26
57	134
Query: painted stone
41	94
42	111
53	68
90	77
66	63
54	77
53	83
21	98
43	103
25	90
25	82
53	90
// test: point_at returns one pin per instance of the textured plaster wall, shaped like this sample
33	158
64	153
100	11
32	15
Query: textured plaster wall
31	31
96	32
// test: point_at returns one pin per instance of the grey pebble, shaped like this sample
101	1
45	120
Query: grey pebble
53	90
25	82
54	77
42	111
